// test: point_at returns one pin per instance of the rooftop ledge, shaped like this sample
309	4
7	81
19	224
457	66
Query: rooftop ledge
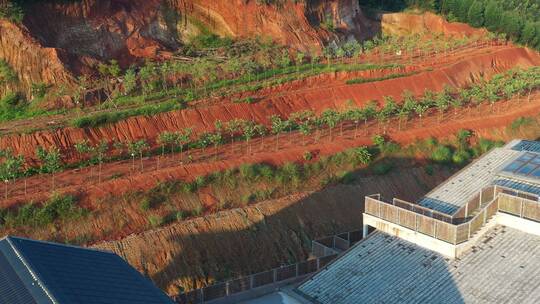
451	235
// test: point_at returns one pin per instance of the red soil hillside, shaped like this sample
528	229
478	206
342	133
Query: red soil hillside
75	35
32	62
317	99
398	23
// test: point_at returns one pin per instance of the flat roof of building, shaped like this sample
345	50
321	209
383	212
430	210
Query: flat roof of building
503	267
513	166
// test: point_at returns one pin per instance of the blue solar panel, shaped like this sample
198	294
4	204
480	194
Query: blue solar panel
526	165
512	184
513	166
526	157
528	168
527	145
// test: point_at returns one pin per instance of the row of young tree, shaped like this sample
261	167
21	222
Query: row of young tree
503	86
196	78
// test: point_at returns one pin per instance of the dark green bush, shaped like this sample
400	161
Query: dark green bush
461	157
442	154
56	208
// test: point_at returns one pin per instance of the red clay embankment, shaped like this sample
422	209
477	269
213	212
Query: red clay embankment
317	99
237	242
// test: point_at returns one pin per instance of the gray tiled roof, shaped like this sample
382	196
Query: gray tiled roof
460	188
55	273
503	267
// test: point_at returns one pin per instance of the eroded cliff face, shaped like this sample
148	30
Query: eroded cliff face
404	24
30	60
103	29
60	39
127	29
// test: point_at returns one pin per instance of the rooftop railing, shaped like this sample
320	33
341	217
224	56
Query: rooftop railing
495	199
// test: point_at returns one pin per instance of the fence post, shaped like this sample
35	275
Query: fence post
520	207
227	288
466	209
318	263
485	216
202	295
480	200
274	274
251	283
416	222
469	233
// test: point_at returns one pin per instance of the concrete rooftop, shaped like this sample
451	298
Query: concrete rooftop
503	267
488	170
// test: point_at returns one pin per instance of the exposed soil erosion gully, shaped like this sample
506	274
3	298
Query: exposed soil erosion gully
317	99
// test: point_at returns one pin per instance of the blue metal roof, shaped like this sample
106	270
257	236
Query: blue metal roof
69	274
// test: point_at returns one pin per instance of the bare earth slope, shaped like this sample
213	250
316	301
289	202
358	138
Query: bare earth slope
242	241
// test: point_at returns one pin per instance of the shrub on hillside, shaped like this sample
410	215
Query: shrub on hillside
442	154
34	215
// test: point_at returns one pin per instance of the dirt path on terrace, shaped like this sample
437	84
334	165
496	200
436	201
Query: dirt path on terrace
122	176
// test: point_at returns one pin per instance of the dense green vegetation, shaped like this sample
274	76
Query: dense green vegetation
12	11
36	215
519	20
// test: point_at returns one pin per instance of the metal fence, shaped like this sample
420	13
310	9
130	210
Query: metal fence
260	279
483	197
335	244
486	204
